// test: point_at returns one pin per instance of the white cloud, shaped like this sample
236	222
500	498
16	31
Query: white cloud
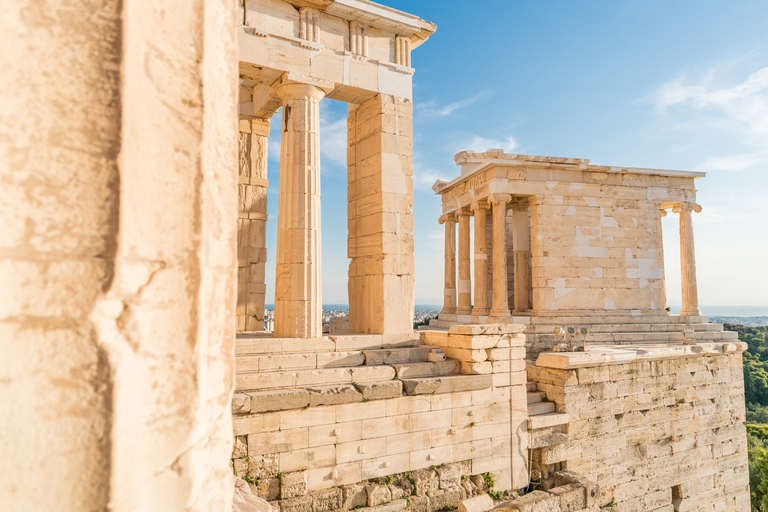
740	109
430	109
481	144
333	138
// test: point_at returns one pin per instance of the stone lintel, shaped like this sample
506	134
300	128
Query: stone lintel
614	355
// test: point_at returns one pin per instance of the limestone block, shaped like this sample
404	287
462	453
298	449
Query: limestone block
449	475
421	386
419	503
333	395
378	494
425	481
240	448
446	498
572	497
245	501
240	467
279	400
354	496
380	390
276	442
261	466
300	504
477	368
470	356
266	488
327	500
293	484
536	501
480	503
473	342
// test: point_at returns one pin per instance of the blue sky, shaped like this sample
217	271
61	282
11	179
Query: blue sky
671	85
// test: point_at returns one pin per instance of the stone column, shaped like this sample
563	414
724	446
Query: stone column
380	216
481	259
449	294
690	293
298	292
500	306
465	272
521	250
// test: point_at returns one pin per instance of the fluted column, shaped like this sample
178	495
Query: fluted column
465	272
481	259
449	294
500	305
690	293
298	292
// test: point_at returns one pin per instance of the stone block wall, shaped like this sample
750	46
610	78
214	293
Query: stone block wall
252	219
339	422
656	435
380	216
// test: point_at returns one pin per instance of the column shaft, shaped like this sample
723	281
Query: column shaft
465	272
449	295
500	307
298	294
690	293
481	261
521	242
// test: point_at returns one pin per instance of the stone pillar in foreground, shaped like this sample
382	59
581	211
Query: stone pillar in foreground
298	292
465	272
449	294
521	251
480	308
500	305
690	293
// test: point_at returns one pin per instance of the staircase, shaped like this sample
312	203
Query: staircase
541	413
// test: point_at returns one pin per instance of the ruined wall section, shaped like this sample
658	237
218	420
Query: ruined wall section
252	218
655	434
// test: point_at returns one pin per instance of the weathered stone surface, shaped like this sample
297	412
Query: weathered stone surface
445	498
401	488
327	499
590	488
419	503
536	501
449	475
245	501
300	504
480	503
354	496
264	466
378	494
425	480
572	497
333	395
241	404
380	390
421	386
240	447
293	484
279	400
266	488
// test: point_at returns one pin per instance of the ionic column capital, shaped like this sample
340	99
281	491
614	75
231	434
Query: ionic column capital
448	217
463	212
663	212
500	198
686	207
480	205
291	85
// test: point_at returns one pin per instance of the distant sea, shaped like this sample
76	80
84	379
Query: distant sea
345	307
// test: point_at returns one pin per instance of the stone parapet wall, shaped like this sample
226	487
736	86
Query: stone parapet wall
354	412
655	430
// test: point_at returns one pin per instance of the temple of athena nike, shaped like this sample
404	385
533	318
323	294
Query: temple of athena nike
134	358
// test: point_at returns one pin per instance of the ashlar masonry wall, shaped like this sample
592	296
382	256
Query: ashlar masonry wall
656	435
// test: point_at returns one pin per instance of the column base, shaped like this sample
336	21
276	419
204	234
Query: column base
479	312
690	312
463	311
499	313
448	311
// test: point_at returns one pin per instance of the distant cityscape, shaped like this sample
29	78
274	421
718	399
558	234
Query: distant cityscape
420	316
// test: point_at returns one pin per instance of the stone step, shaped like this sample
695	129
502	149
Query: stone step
264	343
416	370
447	384
535	397
644	318
547	420
315	377
279	362
530	387
540	408
398	355
640	337
620	328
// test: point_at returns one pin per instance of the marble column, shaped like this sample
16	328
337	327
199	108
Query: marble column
521	254
298	292
481	259
449	294
465	272
690	293
500	306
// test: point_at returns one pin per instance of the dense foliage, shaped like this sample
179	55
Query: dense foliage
756	395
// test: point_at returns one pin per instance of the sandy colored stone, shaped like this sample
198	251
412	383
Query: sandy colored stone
380	390
481	503
245	501
333	395
279	400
